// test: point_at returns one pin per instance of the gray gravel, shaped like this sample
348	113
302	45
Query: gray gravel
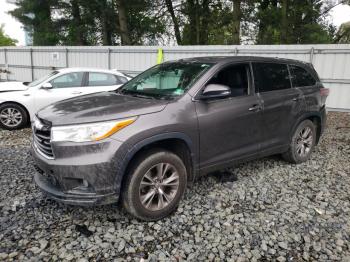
274	211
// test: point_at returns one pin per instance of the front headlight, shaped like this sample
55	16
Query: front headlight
88	132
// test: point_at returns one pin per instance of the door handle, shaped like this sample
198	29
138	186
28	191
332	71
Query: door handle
76	92
296	99
255	108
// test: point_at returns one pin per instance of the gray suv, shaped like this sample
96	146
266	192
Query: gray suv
144	142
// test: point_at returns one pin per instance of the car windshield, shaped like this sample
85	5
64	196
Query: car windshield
166	80
42	79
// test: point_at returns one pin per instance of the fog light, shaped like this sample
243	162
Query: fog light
76	185
85	183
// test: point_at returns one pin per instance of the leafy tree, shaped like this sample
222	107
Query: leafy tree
293	22
145	25
343	34
5	40
37	18
185	22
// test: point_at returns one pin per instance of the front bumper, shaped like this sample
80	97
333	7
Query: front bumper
83	174
79	198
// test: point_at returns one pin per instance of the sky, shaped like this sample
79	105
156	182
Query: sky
13	28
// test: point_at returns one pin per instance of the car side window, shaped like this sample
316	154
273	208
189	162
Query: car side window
122	79
301	77
73	79
235	77
102	79
270	77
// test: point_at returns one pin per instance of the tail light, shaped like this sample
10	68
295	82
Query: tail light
324	91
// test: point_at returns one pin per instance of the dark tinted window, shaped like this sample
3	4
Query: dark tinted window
270	77
102	79
301	77
234	77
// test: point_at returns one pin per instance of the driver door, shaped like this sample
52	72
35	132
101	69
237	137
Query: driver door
63	87
230	127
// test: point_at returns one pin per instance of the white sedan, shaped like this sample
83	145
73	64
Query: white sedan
19	101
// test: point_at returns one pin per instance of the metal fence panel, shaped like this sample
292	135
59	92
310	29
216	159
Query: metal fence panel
332	62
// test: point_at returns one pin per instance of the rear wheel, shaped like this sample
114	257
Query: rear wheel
13	116
302	144
155	185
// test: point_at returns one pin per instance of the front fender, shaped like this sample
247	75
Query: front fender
129	151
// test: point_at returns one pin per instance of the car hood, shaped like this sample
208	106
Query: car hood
12	86
99	107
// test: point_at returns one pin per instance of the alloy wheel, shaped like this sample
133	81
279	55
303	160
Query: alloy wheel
10	117
159	186
304	141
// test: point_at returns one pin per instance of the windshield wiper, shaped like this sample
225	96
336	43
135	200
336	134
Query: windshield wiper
135	94
164	96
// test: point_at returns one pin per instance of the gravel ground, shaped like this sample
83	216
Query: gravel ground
263	210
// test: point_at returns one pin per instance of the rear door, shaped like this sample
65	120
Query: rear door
282	104
100	81
307	83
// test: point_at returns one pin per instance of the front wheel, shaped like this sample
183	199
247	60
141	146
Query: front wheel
12	116
154	185
302	144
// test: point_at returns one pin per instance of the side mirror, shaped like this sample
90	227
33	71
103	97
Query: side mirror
216	91
46	86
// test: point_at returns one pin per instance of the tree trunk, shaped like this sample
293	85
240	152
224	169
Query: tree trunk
78	36
192	15
170	8
204	23
106	32
123	23
284	22
105	22
262	25
43	28
237	16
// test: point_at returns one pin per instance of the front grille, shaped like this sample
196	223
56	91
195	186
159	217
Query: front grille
42	138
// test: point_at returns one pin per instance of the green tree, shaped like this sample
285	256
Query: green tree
186	22
36	18
343	34
293	22
5	40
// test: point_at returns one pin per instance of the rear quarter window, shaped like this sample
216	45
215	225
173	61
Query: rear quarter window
301	77
271	77
103	79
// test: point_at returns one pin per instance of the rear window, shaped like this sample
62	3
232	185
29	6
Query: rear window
103	79
301	77
271	77
122	79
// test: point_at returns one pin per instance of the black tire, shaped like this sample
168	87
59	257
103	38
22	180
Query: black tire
294	154
132	192
16	123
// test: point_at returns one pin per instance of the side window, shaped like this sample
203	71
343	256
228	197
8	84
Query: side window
102	79
68	80
122	79
235	77
301	77
270	77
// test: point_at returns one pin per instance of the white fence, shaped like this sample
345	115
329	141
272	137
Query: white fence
332	62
